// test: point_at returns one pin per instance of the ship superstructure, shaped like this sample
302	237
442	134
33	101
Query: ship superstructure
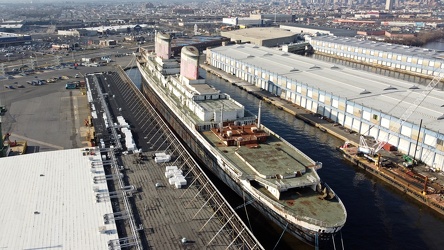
274	176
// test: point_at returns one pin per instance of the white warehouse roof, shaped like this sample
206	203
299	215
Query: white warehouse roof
382	46
48	202
391	96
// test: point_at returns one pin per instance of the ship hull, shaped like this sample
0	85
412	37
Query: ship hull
213	163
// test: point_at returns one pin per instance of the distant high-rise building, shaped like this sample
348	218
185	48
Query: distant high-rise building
389	5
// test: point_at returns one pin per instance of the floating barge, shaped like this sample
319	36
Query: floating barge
412	184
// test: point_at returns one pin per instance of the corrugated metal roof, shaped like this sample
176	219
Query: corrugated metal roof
48	202
344	82
260	33
381	46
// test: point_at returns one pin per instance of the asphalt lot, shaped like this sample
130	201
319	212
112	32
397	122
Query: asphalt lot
65	57
49	117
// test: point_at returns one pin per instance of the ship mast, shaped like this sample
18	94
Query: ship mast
259	115
221	118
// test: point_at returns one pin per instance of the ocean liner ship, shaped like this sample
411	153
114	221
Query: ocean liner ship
275	177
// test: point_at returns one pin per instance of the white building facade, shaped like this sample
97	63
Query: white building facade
405	59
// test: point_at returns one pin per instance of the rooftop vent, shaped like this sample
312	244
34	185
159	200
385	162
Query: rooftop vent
240	47
390	87
250	56
315	67
334	67
440	118
365	92
268	54
285	54
255	46
414	87
293	70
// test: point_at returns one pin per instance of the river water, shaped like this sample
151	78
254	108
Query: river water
436	45
379	216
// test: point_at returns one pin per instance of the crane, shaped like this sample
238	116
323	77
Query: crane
396	127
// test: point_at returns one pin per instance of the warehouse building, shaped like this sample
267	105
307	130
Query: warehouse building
364	102
11	39
405	59
318	30
71	32
54	200
269	37
244	21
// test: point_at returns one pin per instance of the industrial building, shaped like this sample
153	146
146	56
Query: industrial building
71	32
367	103
244	21
10	27
49	201
317	30
9	39
258	20
274	17
269	37
92	31
200	42
405	59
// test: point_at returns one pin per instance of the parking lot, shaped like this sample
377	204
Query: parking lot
20	65
48	116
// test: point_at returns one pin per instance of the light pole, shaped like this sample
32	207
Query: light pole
34	61
73	55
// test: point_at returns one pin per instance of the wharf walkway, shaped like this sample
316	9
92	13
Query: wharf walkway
195	216
403	179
